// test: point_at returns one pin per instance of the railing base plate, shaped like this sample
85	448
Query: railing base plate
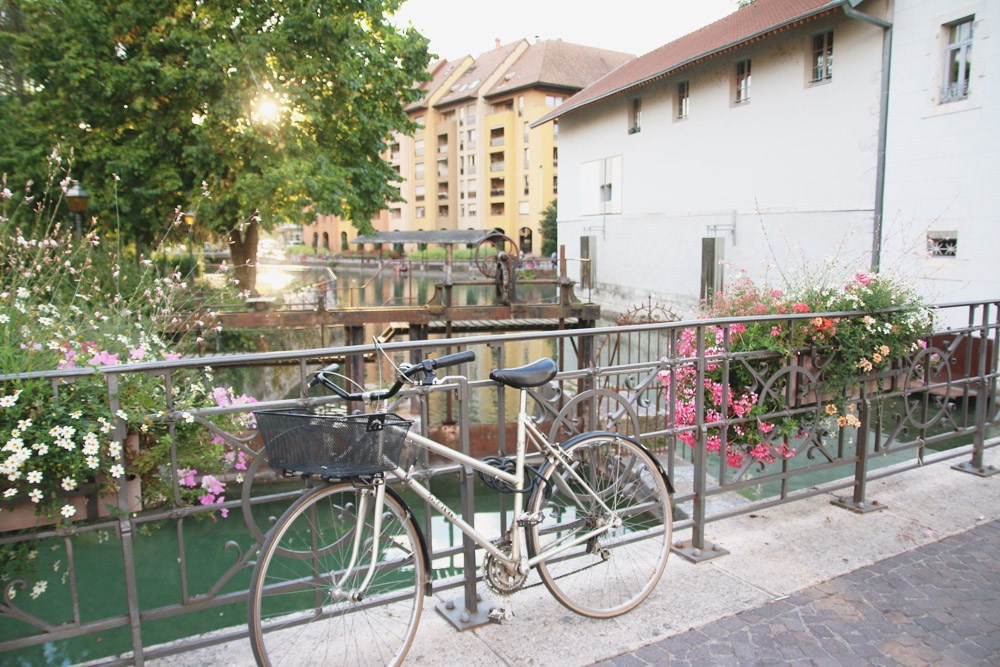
979	471
461	618
861	507
689	552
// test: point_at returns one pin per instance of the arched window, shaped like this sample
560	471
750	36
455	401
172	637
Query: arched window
326	240
315	240
343	240
524	239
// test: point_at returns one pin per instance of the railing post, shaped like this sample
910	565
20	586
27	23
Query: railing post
694	549
472	614
125	534
857	502
976	466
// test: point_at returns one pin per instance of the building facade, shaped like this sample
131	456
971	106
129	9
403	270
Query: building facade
475	161
775	143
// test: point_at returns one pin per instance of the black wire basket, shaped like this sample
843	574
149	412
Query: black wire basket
331	446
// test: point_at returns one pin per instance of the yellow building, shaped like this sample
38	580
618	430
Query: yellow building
474	162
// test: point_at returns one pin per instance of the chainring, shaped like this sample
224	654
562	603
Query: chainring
498	577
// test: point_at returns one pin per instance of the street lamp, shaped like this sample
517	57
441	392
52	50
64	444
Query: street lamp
189	221
76	199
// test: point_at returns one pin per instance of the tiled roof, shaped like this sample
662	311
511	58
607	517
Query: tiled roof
559	64
473	78
439	71
748	24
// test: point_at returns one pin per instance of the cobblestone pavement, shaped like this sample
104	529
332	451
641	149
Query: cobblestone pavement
938	604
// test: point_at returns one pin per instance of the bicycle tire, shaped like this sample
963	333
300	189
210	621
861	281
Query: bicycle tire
293	616
610	574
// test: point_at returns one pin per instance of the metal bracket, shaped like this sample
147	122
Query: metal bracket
860	507
978	471
686	550
461	618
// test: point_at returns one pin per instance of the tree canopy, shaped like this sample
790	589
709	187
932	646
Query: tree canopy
224	107
549	228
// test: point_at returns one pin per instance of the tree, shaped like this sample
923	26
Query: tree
549	229
247	112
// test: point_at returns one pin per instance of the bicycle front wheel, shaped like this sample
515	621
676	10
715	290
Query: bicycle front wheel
306	606
611	573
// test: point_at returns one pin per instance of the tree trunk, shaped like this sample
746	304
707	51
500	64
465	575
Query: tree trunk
243	251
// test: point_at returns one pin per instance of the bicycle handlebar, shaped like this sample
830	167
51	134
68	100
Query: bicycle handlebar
425	367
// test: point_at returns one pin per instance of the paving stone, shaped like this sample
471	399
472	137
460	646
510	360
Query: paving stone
935	605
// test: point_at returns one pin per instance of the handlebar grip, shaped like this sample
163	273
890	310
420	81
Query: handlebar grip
453	359
332	368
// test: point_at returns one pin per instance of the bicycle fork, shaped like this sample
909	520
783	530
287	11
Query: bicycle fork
338	592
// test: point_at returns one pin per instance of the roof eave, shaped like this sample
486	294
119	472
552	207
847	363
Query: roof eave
820	11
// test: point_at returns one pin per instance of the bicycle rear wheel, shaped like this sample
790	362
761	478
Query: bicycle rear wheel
609	574
297	614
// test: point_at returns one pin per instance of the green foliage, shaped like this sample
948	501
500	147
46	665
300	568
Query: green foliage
549	229
222	108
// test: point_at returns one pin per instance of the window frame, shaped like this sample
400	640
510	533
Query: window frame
683	100
820	74
955	91
635	115
743	81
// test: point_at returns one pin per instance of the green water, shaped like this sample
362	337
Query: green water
101	589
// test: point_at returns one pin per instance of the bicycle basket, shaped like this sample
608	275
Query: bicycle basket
301	441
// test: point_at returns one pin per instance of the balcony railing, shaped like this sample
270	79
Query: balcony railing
953	92
914	414
496	192
496	141
496	166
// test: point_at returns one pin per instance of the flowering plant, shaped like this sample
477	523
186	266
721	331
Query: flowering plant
746	410
66	306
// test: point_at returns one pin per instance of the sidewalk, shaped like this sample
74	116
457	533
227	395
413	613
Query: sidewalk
792	585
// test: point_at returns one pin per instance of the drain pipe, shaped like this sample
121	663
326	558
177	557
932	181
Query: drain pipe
883	123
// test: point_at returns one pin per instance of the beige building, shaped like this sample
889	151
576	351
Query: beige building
474	161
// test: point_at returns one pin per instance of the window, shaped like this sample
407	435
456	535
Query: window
527	131
470	116
942	244
326	240
442	168
419	120
496	208
520	105
418	170
418	147
496	136
553	100
471	166
442	211
555	129
443	190
635	115
822	57
420	211
742	82
442	143
526	183
600	186
419	190
555	185
958	61
472	186
527	153
506	105
496	187
524	238
555	156
683	93
523	208
470	144
343	240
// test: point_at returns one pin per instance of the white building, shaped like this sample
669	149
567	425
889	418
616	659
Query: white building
765	129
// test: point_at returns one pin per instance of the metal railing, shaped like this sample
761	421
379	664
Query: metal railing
610	377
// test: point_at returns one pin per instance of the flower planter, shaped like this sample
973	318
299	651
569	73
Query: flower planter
21	515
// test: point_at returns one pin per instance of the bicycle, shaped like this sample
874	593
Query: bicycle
341	576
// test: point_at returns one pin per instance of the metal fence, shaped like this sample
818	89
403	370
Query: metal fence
939	403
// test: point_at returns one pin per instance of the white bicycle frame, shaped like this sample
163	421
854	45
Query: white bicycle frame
525	430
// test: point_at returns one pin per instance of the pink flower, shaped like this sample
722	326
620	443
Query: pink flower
102	358
207	499
171	356
137	353
800	307
863	278
186	477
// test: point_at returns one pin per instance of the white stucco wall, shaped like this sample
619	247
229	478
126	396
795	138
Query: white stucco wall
943	160
795	168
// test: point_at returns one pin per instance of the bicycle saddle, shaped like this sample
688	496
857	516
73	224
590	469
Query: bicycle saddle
534	374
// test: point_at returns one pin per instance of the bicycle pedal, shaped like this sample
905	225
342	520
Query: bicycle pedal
497	615
532	519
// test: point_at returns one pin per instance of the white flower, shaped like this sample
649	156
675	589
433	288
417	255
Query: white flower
4	318
117	470
115	448
41	448
93	462
34	477
8	401
23	424
90	439
38	589
91	449
68	483
75	414
53	345
36	497
23	293
121	413
188	417
10	493
67	511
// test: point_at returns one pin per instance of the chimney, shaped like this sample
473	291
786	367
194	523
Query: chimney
498	43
